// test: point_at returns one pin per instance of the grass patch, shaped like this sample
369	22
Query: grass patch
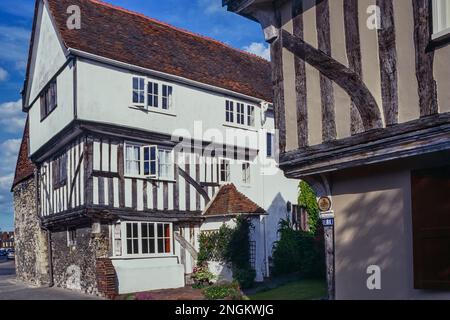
297	290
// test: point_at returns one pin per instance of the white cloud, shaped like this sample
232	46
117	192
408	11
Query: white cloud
211	6
260	49
12	118
3	74
10	150
14	46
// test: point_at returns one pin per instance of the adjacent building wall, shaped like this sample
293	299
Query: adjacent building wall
30	240
373	226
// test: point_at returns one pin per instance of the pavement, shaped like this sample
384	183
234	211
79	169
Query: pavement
12	289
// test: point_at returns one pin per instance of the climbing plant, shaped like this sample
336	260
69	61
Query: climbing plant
307	199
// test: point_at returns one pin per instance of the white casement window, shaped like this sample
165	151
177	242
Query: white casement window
132	238
246	173
166	97
132	160
147	238
240	113
138	91
250	116
229	111
225	172
270	145
149	161
152	94
165	164
441	18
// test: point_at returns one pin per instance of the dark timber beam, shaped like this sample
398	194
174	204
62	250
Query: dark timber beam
329	132
353	47
300	79
424	58
388	61
347	79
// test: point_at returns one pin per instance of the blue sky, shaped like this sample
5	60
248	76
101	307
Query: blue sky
206	17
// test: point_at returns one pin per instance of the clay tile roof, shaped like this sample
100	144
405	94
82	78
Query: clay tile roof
24	167
133	38
229	201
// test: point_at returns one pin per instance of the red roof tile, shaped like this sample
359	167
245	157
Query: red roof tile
24	167
133	38
229	201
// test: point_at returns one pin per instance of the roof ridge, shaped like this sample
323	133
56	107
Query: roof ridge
122	9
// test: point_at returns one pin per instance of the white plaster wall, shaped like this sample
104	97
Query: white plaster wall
138	275
58	119
48	53
105	95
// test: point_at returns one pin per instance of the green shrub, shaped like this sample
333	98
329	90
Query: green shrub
298	252
245	277
308	200
222	291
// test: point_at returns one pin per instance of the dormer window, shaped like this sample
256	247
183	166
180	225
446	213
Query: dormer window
441	18
48	99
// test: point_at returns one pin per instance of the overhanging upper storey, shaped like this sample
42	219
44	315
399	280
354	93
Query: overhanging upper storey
356	82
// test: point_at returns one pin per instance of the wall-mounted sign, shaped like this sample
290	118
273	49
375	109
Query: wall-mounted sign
324	204
328	222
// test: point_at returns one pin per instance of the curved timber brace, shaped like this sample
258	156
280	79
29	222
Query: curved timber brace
347	79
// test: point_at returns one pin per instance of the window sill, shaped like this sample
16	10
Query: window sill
156	179
143	257
238	126
441	36
153	110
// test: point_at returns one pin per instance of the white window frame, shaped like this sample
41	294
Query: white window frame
124	237
154	96
227	163
229	111
240	114
273	149
139	161
169	165
246	173
250	115
166	97
71	237
441	18
139	90
156	175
